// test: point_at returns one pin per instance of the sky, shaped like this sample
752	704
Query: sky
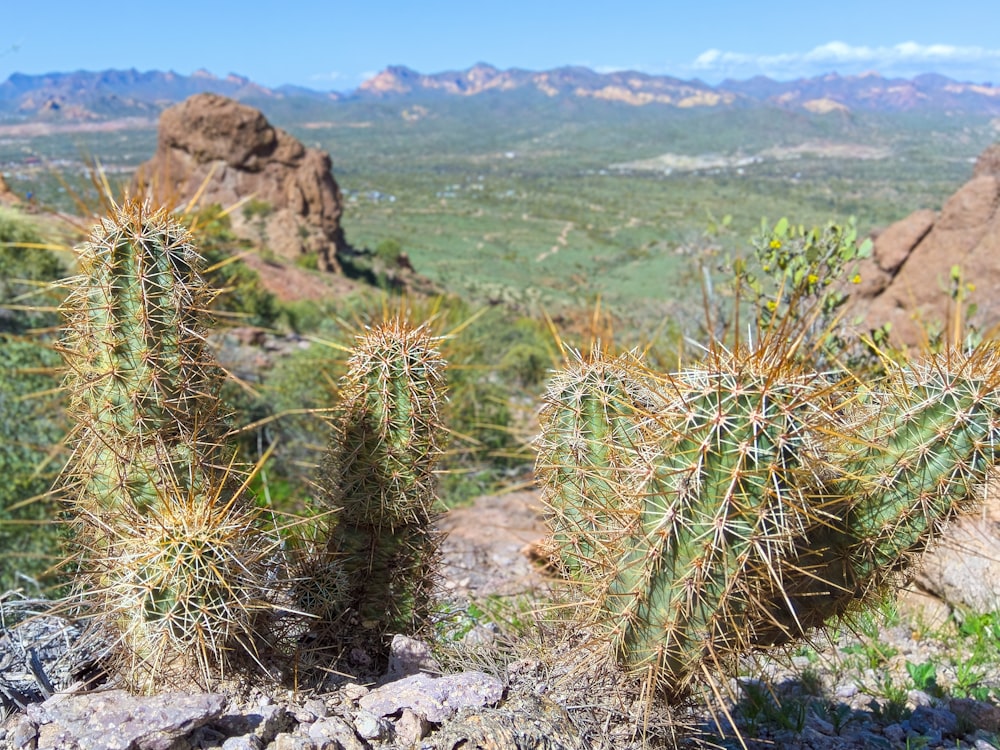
336	44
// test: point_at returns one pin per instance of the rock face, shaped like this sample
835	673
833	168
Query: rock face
907	280
7	195
230	152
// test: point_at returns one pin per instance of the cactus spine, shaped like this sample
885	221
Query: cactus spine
379	475
163	534
774	498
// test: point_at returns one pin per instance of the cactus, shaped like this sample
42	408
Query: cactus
714	478
164	538
591	454
925	456
378	475
740	503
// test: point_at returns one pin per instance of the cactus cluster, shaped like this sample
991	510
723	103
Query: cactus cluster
739	503
170	550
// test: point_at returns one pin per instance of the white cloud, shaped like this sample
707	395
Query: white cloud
904	59
333	75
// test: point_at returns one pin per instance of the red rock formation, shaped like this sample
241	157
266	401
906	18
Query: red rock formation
907	280
7	195
229	152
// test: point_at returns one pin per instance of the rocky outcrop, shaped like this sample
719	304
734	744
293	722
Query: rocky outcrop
907	280
225	152
7	196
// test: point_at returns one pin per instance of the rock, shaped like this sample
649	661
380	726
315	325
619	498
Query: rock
231	152
411	727
894	245
988	162
908	279
922	607
929	720
372	727
115	720
7	195
265	722
409	656
973	713
293	742
335	731
248	742
962	569
435	698
527	723
24	734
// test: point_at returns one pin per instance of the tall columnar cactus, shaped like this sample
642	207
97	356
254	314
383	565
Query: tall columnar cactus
771	498
163	535
379	478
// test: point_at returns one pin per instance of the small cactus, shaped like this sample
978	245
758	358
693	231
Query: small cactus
379	478
165	539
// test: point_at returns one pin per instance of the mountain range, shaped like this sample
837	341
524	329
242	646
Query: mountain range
84	95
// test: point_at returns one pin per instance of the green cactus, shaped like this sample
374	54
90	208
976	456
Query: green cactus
378	475
925	457
164	538
774	498
709	487
591	453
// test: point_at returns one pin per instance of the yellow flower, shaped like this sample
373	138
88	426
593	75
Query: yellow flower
856	278
772	305
775	244
812	278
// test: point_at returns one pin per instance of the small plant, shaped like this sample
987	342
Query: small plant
379	475
924	677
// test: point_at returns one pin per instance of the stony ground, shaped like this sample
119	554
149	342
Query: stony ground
509	679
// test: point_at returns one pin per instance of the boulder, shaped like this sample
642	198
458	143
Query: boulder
224	152
963	568
7	196
988	162
907	281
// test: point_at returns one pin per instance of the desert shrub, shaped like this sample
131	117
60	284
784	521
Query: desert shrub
31	431
243	298
24	270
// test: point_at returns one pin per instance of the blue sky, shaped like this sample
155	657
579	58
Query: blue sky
335	44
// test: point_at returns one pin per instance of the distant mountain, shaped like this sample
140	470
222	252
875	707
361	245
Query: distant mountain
827	93
628	87
871	92
86	95
107	94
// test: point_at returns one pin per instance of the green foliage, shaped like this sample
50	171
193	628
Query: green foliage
241	293
802	277
24	271
30	433
31	428
308	261
257	209
924	677
389	252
